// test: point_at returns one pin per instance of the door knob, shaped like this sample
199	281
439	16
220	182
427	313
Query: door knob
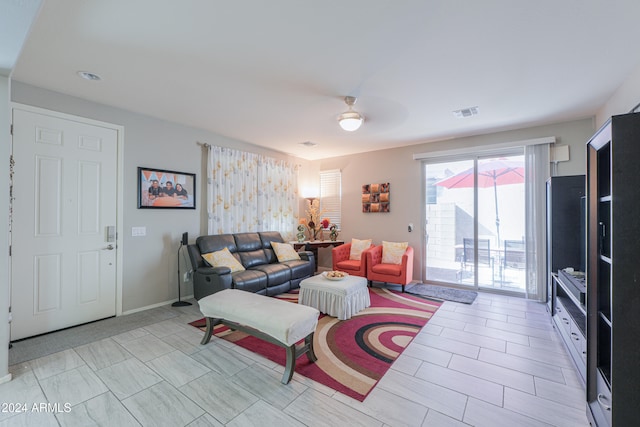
108	248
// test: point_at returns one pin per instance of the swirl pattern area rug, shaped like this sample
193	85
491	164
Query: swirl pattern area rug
353	354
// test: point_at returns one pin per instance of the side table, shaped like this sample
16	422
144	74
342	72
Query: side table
313	245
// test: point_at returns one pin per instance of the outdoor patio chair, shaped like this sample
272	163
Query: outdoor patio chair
485	257
514	256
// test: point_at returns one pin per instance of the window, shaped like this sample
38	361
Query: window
331	195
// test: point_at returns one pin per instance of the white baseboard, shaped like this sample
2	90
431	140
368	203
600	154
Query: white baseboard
160	304
5	379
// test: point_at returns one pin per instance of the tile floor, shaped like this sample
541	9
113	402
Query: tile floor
498	362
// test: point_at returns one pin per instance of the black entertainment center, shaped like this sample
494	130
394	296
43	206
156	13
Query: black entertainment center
566	264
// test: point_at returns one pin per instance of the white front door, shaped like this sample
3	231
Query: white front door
63	263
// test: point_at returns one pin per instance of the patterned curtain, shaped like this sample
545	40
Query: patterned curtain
250	192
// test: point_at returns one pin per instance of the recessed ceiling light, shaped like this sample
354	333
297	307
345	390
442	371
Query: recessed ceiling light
466	112
89	76
309	144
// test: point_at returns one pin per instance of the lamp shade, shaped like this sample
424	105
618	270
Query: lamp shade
350	121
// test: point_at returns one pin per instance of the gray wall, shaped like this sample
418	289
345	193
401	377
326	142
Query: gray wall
150	262
397	167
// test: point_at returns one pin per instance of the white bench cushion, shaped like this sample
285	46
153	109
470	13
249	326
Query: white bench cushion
282	320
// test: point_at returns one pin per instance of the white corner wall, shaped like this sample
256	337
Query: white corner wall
623	99
5	143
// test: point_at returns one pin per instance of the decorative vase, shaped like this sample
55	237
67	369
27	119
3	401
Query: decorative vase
333	236
300	235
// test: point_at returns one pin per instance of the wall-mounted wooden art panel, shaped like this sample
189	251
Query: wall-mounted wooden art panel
375	197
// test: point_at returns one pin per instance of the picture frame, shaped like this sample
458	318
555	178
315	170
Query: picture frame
166	189
375	198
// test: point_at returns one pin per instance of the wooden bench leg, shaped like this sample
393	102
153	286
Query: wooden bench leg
294	352
211	322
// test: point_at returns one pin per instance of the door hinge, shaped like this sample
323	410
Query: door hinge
9	250
11	129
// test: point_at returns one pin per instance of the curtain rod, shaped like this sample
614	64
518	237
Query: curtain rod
204	144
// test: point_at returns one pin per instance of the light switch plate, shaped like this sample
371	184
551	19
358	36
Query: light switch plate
138	231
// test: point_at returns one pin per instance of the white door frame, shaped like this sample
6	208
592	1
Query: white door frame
119	185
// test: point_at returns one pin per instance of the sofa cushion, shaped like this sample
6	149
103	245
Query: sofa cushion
284	252
253	258
215	243
392	252
300	269
357	246
267	237
349	265
248	242
387	269
250	280
277	274
223	258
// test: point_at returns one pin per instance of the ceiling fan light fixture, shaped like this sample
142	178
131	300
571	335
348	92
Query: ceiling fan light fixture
350	120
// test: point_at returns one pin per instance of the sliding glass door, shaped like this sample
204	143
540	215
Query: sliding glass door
475	222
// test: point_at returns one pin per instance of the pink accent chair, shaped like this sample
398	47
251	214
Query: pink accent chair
400	274
341	261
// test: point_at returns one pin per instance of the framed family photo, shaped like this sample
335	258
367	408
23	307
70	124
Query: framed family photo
165	189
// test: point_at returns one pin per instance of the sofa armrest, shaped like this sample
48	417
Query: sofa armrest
374	256
307	256
209	280
341	253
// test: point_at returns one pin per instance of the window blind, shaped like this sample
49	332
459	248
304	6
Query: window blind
331	195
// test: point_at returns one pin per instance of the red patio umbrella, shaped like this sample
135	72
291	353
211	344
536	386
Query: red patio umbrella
491	172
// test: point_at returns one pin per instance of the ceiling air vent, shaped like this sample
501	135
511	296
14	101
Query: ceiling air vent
466	112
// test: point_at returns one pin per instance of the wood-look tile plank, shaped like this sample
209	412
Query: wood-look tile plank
177	368
494	373
475	339
568	395
540	355
482	414
433	396
555	413
147	347
103	353
266	383
162	405
466	384
436	419
387	407
423	352
521	364
449	345
128	377
263	414
219	396
102	410
315	409
74	386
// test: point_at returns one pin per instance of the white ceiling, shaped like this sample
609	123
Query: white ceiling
274	73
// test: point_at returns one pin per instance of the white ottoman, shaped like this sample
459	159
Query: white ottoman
337	298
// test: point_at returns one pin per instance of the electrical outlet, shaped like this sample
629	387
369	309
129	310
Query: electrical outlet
187	277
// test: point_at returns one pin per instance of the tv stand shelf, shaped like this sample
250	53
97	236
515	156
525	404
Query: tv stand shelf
570	318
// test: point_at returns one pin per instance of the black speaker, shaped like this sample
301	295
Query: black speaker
185	238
